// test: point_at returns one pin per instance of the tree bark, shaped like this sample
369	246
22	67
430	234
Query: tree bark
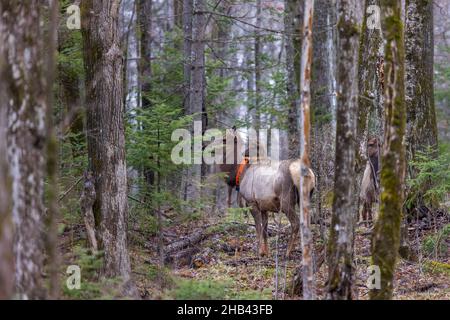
105	133
6	226
305	217
257	51
293	23
421	125
197	90
52	157
23	86
386	234
187	45
340	245
370	84
419	58
145	68
178	13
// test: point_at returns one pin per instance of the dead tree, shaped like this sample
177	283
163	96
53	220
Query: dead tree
305	217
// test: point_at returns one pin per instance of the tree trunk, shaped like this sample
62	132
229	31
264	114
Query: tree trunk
105	133
421	129
187	45
187	66
178	13
340	245
370	84
419	98
23	86
197	90
305	217
6	227
386	234
293	23
52	158
258	69
145	67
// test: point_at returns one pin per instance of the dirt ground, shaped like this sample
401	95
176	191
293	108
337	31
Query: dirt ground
226	264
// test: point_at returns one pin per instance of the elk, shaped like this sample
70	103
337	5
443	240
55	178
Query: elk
271	186
229	167
370	184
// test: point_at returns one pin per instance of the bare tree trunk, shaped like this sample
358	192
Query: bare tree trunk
52	158
421	129
23	86
197	89
187	66
6	226
305	217
293	22
258	69
145	27
370	84
340	244
187	45
105	131
178	13
386	235
419	53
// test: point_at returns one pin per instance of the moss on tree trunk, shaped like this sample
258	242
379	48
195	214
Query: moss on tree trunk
386	235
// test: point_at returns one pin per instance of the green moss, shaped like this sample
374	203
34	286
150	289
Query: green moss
386	236
437	267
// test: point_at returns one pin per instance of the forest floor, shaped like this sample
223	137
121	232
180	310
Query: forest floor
215	258
224	265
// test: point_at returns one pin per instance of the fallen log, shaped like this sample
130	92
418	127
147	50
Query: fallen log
190	241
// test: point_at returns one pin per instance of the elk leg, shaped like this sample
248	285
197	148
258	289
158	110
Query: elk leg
295	227
264	220
230	190
258	226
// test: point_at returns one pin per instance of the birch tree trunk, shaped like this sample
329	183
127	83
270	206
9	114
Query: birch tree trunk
293	22
340	245
305	217
386	234
105	133
23	88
